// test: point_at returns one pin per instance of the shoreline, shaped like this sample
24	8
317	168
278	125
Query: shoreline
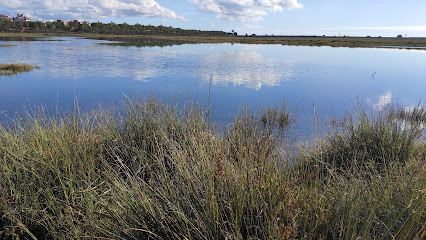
352	42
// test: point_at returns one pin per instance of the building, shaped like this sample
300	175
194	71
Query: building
5	18
61	21
21	18
74	23
86	23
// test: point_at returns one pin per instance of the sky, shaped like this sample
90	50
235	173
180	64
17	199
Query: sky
386	18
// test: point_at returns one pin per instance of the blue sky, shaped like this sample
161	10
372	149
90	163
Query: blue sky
286	17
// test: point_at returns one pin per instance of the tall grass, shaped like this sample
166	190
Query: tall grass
368	179
162	173
370	139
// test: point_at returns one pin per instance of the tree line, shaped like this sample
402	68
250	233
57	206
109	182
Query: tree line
103	28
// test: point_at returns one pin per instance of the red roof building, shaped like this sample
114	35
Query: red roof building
5	18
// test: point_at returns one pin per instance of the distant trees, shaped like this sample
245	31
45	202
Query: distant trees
103	28
33	27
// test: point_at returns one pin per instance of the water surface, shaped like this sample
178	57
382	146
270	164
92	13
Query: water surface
331	79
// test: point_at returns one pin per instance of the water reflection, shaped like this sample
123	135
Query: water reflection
384	100
412	117
244	68
81	58
145	75
256	75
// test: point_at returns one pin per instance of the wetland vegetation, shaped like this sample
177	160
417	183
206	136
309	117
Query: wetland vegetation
160	172
7	45
143	42
363	42
293	40
15	68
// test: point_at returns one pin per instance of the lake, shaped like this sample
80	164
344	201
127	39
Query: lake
332	79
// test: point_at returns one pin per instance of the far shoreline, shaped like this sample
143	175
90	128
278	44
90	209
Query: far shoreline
331	41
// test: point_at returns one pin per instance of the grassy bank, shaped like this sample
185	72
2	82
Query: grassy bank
364	42
15	68
161	173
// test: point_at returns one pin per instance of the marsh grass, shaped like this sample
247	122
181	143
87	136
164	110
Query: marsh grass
361	42
159	172
7	45
370	138
160	40
15	68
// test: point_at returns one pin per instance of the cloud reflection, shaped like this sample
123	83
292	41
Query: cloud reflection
244	68
384	100
144	75
90	59
81	58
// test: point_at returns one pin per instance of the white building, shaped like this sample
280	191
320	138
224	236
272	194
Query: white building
21	18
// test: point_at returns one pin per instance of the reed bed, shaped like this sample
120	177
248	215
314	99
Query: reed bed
15	68
159	172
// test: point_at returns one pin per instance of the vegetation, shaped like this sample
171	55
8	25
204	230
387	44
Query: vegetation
135	34
291	41
7	45
163	173
101	28
142	42
15	68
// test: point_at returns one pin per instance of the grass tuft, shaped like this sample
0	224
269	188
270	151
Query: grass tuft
15	68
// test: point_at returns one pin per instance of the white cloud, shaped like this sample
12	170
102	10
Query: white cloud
88	9
400	28
251	26
244	10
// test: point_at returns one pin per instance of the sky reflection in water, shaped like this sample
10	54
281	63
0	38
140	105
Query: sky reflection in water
257	75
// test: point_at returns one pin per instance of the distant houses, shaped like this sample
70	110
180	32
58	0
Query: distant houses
21	18
22	23
5	18
60	21
75	24
18	18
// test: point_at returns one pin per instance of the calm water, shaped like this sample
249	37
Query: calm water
256	75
